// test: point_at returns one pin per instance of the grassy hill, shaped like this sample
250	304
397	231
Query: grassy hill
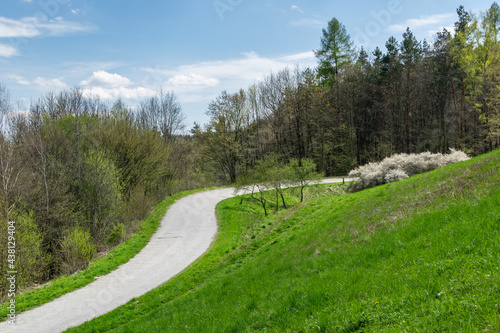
419	255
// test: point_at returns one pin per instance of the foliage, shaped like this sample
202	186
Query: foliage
336	50
77	250
30	261
138	154
401	166
117	235
101	193
303	172
271	173
223	138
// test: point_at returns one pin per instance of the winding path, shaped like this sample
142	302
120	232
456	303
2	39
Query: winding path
185	233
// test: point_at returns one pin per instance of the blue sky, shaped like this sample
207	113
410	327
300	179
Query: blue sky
130	49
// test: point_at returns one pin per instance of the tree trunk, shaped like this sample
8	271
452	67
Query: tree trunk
457	114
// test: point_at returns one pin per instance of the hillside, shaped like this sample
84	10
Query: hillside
416	255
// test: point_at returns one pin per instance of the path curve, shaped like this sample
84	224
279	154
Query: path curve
185	233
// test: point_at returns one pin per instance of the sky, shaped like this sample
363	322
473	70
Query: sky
130	50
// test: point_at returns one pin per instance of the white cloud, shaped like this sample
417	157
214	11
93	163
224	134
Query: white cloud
203	81
112	94
250	67
7	51
105	79
42	82
305	56
50	83
29	27
190	81
297	8
19	79
436	22
113	86
17	28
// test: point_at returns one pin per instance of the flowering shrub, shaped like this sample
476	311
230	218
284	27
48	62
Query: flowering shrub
401	166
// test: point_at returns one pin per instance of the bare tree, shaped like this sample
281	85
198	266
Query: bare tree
9	166
162	113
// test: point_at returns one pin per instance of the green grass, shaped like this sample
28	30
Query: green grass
420	255
101	266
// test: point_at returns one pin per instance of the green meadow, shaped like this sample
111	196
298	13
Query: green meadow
419	255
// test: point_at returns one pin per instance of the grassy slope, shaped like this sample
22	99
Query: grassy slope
99	267
418	255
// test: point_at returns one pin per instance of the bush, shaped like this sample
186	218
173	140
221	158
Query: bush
401	166
77	250
117	235
30	260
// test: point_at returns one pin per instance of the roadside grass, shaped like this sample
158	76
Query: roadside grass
419	255
98	267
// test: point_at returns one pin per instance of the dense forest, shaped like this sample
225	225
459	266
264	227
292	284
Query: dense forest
77	174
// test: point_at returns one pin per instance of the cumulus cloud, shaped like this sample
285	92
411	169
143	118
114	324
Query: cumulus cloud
113	86
105	79
111	94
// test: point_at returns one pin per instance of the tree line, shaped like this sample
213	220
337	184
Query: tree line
357	107
77	175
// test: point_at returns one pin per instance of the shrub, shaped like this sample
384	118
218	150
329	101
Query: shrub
30	260
401	166
117	235
77	250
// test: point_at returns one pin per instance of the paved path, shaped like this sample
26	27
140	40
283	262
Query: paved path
185	233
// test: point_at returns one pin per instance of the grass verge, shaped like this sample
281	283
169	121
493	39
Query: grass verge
100	266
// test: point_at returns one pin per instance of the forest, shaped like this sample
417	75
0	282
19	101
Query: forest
78	174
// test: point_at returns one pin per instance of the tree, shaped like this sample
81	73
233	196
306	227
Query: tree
487	55
335	52
223	139
461	48
277	176
303	172
162	113
100	193
10	164
411	52
255	179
